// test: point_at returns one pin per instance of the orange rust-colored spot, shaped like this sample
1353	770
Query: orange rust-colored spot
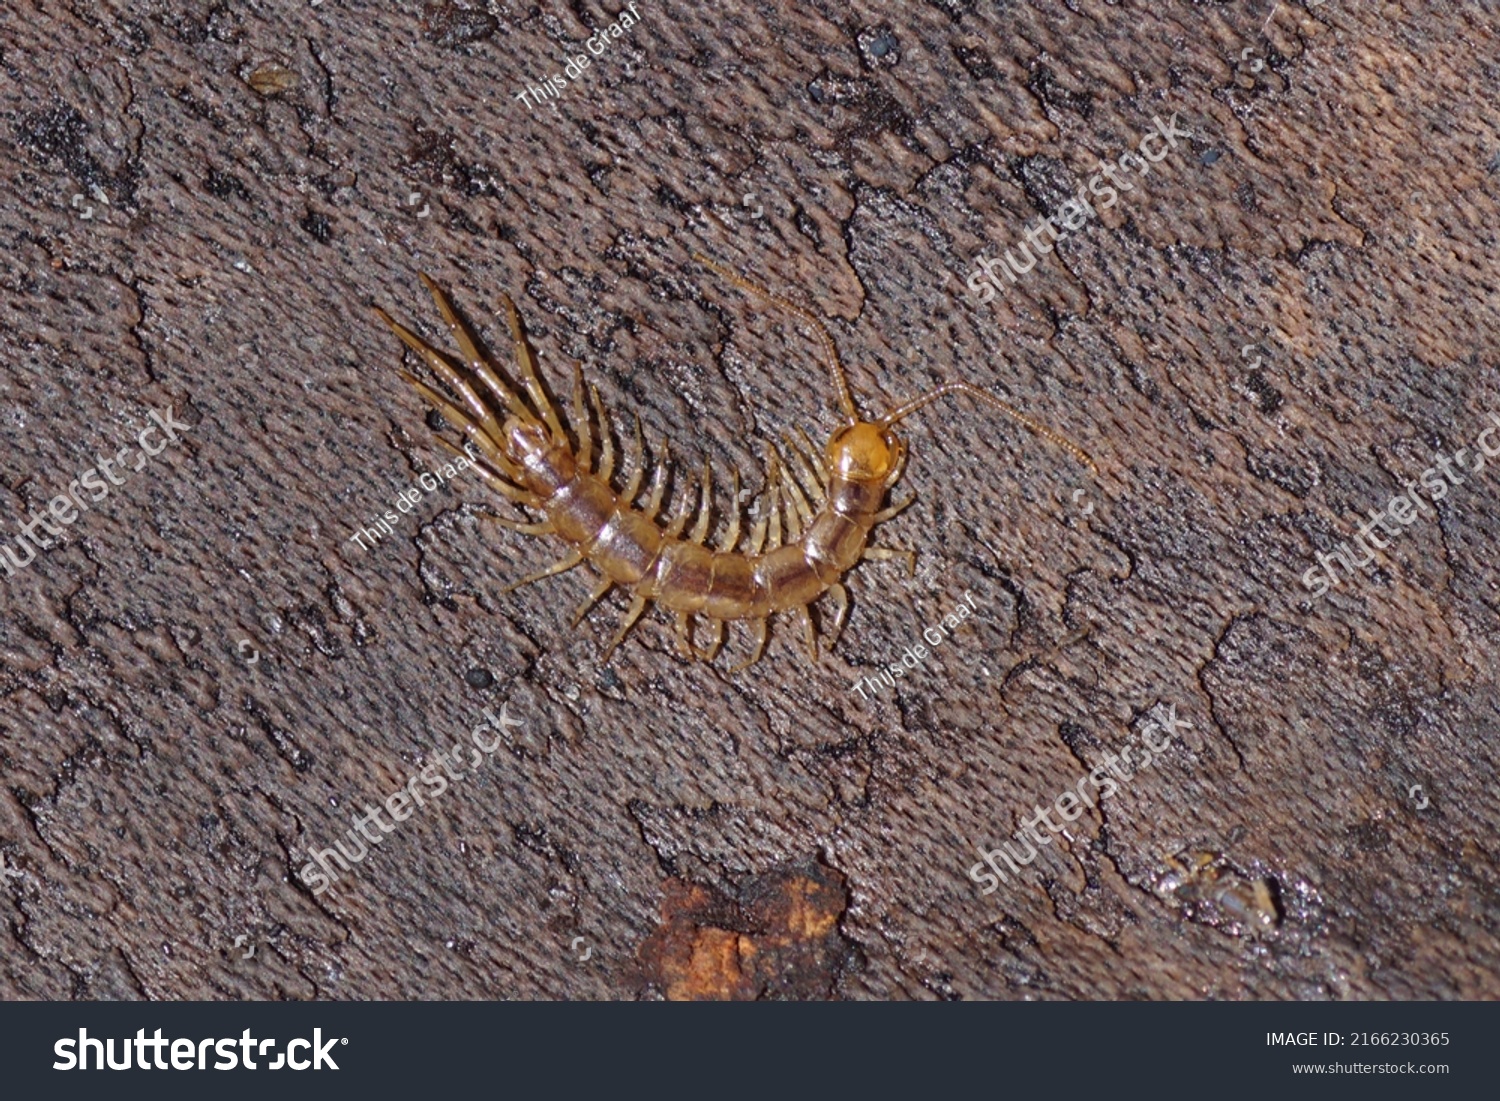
776	936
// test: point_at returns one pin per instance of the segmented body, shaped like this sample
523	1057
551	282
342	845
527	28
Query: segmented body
681	573
830	503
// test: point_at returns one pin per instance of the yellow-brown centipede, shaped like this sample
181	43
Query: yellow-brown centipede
531	459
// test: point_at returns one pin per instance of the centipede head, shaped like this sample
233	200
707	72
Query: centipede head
865	452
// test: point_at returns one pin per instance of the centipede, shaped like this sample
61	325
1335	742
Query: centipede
812	520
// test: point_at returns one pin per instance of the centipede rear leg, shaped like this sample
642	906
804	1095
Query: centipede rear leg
567	562
474	359
494	478
530	378
637	606
809	632
598	594
757	647
886	554
685	641
840	597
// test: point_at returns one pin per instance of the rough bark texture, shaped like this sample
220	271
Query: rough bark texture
200	202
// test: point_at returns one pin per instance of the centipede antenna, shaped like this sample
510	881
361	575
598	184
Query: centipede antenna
906	410
846	397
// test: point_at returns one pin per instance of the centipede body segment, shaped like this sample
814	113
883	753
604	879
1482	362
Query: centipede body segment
813	525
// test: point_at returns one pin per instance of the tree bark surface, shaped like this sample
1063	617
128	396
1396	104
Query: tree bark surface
1284	321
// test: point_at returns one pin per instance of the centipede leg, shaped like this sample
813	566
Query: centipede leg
885	554
494	480
658	481
799	512
816	456
633	613
757	648
567	562
713	651
600	590
840	597
772	501
581	421
472	356
685	636
472	429
543	528
895	510
809	632
444	370
757	537
606	440
639	472
677	523
793	514
732	536
800	466
767	515
528	371
705	506
898	468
